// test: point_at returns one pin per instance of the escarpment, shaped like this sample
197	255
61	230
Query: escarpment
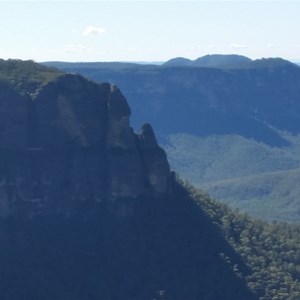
69	143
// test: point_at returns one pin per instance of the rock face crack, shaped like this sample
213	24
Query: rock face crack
72	145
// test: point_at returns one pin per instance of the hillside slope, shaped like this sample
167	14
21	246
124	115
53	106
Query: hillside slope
250	175
272	196
271	251
168	245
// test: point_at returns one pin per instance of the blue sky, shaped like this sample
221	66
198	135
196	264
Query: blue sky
148	30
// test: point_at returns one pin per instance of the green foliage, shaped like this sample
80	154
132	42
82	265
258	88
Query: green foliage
221	157
255	177
26	76
271	196
271	250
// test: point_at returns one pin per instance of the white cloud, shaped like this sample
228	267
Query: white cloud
211	47
75	48
93	30
270	45
132	49
196	48
237	46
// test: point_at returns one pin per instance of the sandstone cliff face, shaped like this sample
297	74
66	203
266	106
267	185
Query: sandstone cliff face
69	144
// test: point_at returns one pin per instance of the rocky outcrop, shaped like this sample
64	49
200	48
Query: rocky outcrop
155	161
69	144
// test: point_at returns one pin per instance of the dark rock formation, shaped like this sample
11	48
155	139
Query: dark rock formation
155	161
70	143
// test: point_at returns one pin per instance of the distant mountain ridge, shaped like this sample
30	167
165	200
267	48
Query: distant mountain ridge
227	61
231	61
214	60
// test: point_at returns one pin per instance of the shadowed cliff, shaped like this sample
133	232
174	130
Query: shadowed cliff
69	141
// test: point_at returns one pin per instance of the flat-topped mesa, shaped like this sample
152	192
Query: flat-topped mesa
69	144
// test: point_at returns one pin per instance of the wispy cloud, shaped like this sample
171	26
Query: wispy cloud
237	46
93	30
270	45
75	48
195	48
131	48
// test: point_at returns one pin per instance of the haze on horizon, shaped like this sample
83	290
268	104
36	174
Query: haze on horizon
147	30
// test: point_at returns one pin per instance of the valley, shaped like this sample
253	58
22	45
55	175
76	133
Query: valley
221	119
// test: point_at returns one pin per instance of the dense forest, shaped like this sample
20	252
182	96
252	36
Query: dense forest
271	250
